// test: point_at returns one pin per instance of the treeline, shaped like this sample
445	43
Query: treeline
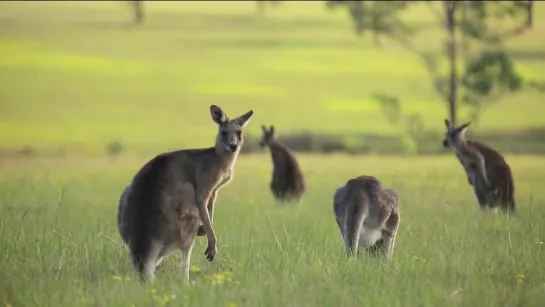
530	141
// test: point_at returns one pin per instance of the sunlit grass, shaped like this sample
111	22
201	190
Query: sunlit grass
23	57
76	76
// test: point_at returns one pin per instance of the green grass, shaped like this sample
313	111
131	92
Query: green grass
67	251
75	76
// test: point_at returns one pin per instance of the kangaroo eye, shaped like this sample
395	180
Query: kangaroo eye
224	134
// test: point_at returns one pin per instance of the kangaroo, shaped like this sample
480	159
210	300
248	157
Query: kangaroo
485	168
287	181
163	207
367	215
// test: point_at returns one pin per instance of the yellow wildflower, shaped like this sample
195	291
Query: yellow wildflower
520	278
164	299
194	269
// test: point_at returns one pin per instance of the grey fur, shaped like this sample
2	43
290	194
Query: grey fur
171	199
487	171
288	182
363	203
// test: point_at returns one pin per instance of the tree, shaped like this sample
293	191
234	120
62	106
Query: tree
488	77
530	14
261	7
138	11
377	16
488	73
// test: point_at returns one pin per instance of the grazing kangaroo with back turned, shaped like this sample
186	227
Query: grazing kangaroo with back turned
172	194
485	168
287	182
367	215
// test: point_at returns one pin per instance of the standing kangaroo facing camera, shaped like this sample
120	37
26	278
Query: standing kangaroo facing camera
367	215
287	181
485	168
172	194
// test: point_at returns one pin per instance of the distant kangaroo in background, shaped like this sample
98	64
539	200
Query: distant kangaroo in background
485	168
163	207
367	216
287	182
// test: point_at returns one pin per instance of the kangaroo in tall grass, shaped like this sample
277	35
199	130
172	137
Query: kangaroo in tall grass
163	207
367	215
485	168
287	181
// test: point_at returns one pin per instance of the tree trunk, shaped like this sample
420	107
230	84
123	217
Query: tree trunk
450	9
261	8
530	17
464	43
138	12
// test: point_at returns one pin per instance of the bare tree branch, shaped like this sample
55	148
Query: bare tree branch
498	36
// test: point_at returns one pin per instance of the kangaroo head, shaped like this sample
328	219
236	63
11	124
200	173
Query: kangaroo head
267	137
229	138
455	135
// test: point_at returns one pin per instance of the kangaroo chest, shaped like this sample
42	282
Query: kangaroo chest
464	158
467	161
470	164
225	178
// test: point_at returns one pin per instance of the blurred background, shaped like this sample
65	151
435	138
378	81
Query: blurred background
137	77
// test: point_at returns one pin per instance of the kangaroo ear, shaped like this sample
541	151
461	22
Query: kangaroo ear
263	128
243	119
464	127
272	129
218	115
447	123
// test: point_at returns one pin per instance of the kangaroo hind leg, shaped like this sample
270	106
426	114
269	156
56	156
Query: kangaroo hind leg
186	259
391	225
354	217
389	235
144	257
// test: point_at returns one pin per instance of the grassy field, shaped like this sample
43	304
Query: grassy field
75	76
65	251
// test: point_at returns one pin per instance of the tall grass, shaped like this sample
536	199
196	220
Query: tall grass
60	245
